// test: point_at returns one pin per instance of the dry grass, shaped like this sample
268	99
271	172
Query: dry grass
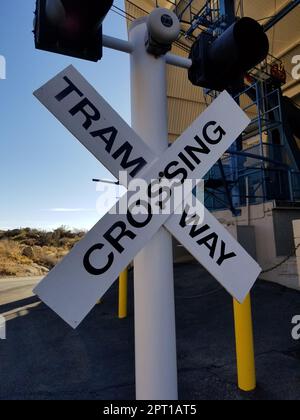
29	252
11	259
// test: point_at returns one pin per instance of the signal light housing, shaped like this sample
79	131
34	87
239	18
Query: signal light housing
71	27
218	63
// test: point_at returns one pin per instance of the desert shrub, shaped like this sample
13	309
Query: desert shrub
9	248
12	233
64	243
23	250
7	270
48	261
11	258
42	238
48	256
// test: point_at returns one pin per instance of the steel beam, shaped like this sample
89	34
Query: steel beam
281	14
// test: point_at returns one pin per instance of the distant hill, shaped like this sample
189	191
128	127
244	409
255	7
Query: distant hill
32	252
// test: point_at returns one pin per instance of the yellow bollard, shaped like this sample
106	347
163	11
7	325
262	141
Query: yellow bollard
245	345
123	280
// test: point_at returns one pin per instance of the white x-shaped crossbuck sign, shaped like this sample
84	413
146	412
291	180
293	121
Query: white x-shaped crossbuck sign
74	286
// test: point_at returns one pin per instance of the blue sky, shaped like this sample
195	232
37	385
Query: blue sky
46	175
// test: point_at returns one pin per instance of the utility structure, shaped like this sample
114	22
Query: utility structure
264	165
57	29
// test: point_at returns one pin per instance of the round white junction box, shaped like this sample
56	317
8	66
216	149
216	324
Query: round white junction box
163	25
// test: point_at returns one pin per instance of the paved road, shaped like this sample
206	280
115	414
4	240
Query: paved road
16	288
43	358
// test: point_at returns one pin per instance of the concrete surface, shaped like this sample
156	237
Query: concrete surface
273	226
43	358
16	288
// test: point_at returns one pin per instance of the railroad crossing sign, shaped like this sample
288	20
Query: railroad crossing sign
74	286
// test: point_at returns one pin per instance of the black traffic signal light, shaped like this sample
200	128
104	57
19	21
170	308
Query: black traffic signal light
71	27
220	63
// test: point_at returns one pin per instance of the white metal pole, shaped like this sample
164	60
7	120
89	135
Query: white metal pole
127	47
117	44
155	336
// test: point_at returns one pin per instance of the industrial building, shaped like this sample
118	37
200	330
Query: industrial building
254	190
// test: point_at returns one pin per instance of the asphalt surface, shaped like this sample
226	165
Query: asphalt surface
43	358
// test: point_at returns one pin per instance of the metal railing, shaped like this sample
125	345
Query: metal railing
262	169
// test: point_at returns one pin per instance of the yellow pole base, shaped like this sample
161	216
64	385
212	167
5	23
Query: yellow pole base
123	286
244	345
